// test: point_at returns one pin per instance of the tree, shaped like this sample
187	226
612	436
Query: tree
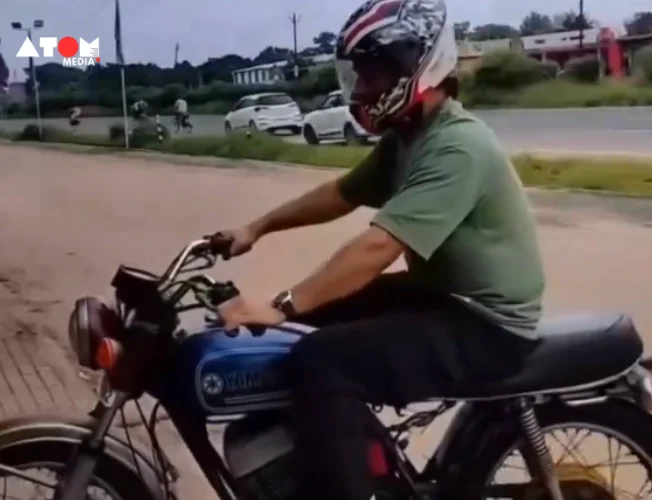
639	24
325	42
273	54
462	30
571	21
535	23
493	32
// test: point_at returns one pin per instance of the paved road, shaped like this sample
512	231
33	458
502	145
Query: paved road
68	220
597	130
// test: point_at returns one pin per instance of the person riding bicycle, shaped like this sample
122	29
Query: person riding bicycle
75	117
450	202
139	110
181	115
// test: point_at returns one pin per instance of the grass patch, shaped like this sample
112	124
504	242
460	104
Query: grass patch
565	94
613	175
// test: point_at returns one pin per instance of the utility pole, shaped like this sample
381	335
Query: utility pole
176	54
294	19
581	20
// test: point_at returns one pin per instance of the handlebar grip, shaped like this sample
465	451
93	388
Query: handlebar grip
220	244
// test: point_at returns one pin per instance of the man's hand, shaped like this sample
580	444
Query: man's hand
242	239
240	312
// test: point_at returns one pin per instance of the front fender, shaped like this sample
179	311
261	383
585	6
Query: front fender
73	429
472	427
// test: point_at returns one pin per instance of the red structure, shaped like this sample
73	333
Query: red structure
610	53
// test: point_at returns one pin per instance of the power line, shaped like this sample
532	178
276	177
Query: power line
294	19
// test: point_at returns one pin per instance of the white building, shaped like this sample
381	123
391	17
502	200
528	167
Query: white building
263	74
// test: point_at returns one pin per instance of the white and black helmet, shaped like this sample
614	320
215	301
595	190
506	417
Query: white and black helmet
410	44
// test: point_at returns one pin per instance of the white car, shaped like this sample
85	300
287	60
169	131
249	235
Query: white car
333	121
265	112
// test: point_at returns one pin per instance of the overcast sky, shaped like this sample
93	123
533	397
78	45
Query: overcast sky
210	28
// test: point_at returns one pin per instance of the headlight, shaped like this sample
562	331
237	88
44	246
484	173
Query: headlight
90	322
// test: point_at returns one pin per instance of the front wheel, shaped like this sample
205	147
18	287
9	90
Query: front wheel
47	459
616	462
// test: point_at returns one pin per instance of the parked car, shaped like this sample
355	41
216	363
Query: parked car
333	121
269	112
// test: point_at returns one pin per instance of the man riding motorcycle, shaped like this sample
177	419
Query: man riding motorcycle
450	202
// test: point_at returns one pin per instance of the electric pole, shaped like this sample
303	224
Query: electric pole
294	19
176	54
581	20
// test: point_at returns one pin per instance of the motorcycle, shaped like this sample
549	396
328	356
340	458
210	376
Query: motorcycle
587	373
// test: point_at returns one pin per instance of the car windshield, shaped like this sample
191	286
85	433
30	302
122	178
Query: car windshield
274	100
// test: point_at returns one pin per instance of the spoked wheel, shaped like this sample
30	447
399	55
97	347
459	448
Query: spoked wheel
46	460
600	452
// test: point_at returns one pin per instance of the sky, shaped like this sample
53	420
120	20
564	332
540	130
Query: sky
211	28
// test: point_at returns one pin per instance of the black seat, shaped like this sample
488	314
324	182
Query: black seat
575	351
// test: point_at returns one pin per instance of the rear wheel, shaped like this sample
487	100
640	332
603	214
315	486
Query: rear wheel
48	458
618	463
227	128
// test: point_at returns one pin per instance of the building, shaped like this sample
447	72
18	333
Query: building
612	47
263	74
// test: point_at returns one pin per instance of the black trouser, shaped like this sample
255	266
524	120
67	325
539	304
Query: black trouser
392	343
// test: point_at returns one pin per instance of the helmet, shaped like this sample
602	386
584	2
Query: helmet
389	53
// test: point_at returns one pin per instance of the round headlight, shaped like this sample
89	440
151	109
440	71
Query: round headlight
91	320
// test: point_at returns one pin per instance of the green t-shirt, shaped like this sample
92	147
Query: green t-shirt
452	196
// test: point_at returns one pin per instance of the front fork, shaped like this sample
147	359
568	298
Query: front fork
78	473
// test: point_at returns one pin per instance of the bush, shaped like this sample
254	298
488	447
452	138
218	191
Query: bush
583	69
509	70
142	136
551	69
117	132
642	64
53	134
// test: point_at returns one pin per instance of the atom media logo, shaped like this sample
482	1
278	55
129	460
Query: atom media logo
74	53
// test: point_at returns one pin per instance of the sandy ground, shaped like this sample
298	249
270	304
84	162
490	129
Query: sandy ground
67	221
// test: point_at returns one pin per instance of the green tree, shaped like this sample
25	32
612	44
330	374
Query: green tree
493	32
536	23
571	20
325	42
639	24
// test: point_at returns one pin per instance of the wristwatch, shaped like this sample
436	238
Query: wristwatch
284	303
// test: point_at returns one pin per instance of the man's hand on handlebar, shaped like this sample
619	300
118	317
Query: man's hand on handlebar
234	242
240	312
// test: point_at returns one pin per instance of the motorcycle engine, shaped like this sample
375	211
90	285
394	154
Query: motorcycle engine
259	451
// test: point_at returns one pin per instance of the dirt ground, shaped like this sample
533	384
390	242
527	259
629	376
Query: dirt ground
67	221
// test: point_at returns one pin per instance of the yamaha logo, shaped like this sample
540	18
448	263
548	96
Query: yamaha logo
212	384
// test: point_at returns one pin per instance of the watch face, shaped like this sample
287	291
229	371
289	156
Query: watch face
283	302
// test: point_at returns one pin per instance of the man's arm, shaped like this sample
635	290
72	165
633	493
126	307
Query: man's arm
350	269
364	185
440	192
322	204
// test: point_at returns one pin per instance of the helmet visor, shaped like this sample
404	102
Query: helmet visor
365	77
